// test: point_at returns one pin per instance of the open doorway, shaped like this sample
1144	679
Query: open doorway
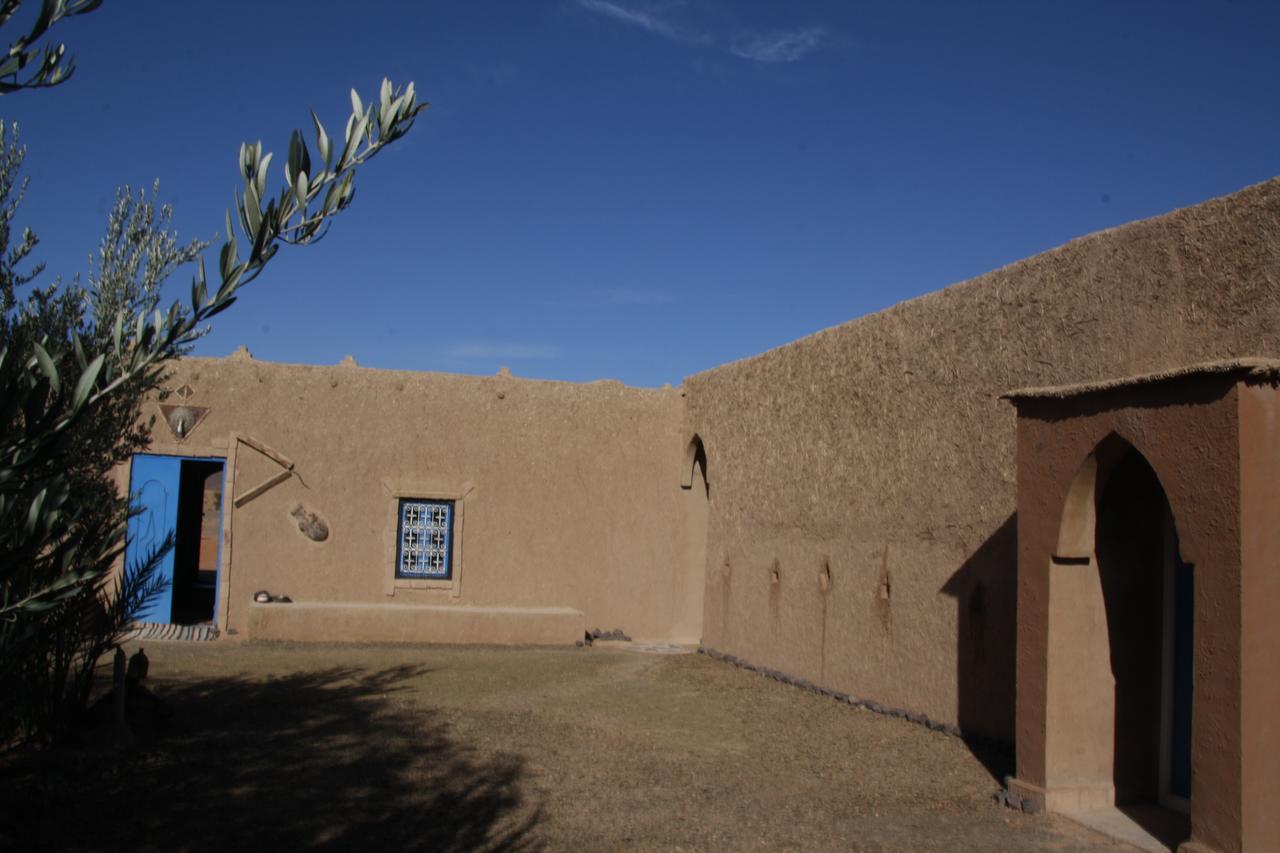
1145	684
1147	589
195	571
182	497
1118	717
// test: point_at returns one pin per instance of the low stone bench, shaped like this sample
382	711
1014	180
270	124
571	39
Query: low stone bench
414	623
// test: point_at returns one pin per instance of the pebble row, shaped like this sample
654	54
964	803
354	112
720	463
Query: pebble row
596	634
805	684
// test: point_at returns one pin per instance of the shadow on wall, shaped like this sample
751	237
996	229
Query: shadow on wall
328	760
696	460
985	588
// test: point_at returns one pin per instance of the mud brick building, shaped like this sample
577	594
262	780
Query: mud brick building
1087	567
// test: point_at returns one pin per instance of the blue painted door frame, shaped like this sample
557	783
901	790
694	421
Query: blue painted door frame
154	487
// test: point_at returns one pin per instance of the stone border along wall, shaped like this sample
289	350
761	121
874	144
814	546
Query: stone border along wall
862	527
1003	795
866	704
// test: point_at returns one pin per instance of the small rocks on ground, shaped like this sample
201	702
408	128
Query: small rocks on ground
1007	798
615	634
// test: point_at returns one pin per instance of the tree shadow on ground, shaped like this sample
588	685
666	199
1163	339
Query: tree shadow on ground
337	759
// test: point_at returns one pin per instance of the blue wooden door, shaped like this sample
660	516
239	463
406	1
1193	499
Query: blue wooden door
153	484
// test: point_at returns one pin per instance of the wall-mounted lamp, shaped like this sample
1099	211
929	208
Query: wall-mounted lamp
183	419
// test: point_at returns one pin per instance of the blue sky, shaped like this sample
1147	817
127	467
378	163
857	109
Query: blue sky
643	190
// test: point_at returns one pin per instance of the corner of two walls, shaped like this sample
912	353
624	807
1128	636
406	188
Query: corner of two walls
849	516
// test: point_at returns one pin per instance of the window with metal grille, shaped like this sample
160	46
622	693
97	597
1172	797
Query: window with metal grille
424	539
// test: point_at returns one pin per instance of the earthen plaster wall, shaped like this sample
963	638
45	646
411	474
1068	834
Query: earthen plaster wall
1260	627
880	452
569	494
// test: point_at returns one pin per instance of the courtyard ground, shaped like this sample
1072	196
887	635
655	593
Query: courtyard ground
284	747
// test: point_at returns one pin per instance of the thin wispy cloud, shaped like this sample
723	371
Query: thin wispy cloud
790	45
642	18
783	46
488	350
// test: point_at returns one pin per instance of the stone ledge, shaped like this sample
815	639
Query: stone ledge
354	622
1065	798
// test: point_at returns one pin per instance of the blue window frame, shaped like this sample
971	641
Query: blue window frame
424	539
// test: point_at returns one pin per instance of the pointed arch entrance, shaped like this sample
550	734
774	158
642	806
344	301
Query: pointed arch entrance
1143	679
1120	685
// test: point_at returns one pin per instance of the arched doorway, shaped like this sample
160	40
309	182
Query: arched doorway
696	499
1091	718
1147	590
1120	636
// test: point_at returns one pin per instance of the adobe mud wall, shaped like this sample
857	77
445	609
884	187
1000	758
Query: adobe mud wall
879	452
1260	596
568	495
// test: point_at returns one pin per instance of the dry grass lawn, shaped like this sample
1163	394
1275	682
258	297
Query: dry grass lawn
285	747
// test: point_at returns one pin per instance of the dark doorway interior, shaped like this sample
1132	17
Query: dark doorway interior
1130	547
1147	590
195	569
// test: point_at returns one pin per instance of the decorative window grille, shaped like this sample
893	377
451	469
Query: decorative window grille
425	539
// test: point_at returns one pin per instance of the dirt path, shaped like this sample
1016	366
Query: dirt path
390	748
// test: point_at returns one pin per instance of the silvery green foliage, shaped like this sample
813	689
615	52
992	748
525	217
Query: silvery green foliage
50	382
136	256
75	364
27	66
